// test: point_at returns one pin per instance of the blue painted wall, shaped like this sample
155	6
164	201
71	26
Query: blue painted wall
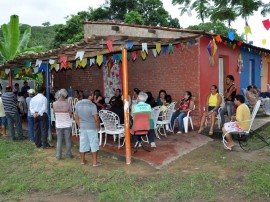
256	70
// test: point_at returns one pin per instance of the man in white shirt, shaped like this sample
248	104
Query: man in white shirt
39	110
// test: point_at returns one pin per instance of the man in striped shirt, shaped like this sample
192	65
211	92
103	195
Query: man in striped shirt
10	105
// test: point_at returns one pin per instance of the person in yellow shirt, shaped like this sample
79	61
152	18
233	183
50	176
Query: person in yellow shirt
239	123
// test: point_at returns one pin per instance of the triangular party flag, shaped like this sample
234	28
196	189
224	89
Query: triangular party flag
240	64
42	67
239	43
120	56
53	66
3	74
182	45
154	51
143	55
187	44
84	62
51	61
105	61
231	35
28	71
250	42
99	59
247	30
27	64
68	65
79	55
115	57
15	71
164	49
7	71
234	45
128	55
35	69
266	24
190	43
264	41
129	44
78	64
218	38
170	48
38	63
158	48
57	67
177	45
63	62
144	47
92	61
109	45
133	55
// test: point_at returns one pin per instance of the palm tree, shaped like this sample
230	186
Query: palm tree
266	9
12	44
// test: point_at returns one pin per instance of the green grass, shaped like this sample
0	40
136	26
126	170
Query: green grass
25	170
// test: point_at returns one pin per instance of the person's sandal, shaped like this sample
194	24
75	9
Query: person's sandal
211	132
200	130
97	164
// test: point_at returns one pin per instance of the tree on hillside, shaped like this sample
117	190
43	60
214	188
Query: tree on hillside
11	44
46	24
134	17
265	9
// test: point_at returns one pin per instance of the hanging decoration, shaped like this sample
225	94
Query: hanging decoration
134	55
164	49
120	57
266	24
28	71
240	64
212	49
261	68
3	75
63	62
27	64
231	35
99	60
53	66
35	69
38	63
111	79
143	55
158	48
128	55
239	43
170	48
7	71
51	61
92	61
154	51
81	63
263	41
129	45
218	38
79	55
182	46
177	45
109	45
144	47
247	30
250	42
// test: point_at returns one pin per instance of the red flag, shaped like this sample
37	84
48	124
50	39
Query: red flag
266	24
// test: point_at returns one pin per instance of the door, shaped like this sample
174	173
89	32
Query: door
268	78
221	76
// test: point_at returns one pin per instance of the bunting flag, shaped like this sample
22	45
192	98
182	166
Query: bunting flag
119	57
28	71
144	47
240	64
38	63
266	24
51	61
128	55
212	49
239	43
218	38
182	45
7	71
164	49
57	67
3	74
158	48
53	66
35	69
92	61
134	55
170	48
109	45
234	45
63	62
177	45
264	41
250	42
231	35
247	30
143	55
154	51
115	57
129	45
99	60
27	64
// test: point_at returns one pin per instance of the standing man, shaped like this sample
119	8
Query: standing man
87	119
30	118
10	105
39	110
3	118
63	113
25	88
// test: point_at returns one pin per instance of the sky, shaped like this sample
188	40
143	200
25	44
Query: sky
36	12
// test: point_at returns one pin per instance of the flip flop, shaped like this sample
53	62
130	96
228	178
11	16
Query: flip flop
83	163
97	164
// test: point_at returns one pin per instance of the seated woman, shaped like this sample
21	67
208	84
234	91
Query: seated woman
168	100
151	100
118	108
251	96
136	92
98	99
182	107
161	98
213	103
117	95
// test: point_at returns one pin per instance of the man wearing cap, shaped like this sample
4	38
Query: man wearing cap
10	105
30	118
39	110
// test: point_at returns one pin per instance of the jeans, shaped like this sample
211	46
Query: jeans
41	130
229	106
180	121
30	120
14	118
66	132
150	136
174	116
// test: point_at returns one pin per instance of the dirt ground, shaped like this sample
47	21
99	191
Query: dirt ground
209	157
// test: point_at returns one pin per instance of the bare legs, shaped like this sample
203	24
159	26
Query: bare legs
212	115
229	139
94	158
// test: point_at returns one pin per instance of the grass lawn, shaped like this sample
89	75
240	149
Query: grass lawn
207	174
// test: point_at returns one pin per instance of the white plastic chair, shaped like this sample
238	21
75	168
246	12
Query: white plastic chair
252	117
74	128
166	120
155	114
188	118
112	126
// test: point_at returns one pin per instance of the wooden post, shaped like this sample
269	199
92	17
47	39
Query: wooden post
126	104
48	99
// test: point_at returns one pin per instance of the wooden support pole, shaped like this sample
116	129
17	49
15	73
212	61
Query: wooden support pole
126	104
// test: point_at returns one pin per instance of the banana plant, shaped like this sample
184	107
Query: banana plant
12	44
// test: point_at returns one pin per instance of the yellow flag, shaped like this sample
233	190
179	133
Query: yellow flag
53	66
99	59
264	41
143	55
3	74
247	30
84	62
158	47
78	64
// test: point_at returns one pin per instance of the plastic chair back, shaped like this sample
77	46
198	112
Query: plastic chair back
141	124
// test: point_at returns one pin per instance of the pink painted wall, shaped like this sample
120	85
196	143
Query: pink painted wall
209	74
266	67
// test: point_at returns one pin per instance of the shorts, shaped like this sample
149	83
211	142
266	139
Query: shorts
231	127
3	121
89	141
211	107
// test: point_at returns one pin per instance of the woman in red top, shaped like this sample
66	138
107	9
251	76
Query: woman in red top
182	107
